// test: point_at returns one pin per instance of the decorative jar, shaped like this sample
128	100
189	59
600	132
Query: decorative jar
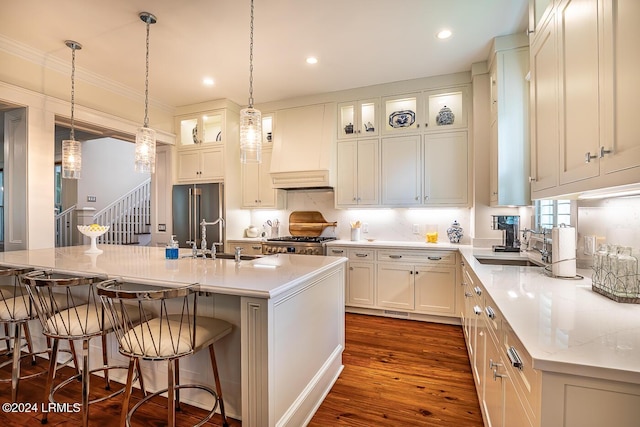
455	232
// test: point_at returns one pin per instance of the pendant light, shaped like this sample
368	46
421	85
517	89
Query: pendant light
71	149
250	118
145	156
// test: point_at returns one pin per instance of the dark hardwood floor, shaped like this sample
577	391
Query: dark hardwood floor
397	373
402	373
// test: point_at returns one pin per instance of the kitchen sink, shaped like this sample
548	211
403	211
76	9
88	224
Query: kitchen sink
506	261
243	257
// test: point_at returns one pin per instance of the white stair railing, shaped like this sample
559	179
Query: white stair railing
126	217
65	227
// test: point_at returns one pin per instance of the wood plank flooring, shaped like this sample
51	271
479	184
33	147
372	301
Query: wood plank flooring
397	373
402	373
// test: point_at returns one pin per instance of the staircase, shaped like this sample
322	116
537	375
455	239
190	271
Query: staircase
128	218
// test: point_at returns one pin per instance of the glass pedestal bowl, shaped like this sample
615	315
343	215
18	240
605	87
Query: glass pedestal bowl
93	232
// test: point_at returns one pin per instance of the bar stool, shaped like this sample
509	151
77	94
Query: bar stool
16	310
173	331
82	319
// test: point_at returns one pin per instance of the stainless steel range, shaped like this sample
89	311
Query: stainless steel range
296	245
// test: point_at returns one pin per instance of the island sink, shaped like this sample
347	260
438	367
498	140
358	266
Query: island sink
506	261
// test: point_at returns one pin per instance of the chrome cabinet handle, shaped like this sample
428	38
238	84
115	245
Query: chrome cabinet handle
256	247
434	258
493	364
477	290
362	255
588	157
337	251
514	358
395	256
490	313
532	179
477	310
468	294
603	151
496	375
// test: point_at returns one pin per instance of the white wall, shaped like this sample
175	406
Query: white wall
107	171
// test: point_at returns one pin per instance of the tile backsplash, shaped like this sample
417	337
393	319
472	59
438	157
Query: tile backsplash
402	224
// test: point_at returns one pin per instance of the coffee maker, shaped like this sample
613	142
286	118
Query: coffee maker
510	224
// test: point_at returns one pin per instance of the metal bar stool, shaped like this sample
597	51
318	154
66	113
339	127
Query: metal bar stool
82	319
173	331
16	310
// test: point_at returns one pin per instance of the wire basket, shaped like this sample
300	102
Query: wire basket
615	274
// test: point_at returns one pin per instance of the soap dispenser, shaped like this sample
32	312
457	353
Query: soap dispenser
171	251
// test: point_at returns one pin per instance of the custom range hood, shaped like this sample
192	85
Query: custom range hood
303	155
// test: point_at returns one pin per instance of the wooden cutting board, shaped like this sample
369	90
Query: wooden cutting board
308	223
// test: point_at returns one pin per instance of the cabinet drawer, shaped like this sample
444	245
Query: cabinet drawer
421	257
361	254
525	378
337	251
493	316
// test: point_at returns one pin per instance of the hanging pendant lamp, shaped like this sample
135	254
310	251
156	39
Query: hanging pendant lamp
250	118
145	155
71	149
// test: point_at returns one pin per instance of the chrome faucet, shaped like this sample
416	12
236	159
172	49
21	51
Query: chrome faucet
203	232
238	253
544	251
213	249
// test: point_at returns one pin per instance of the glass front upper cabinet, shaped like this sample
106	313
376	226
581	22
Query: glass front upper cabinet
267	129
204	129
358	119
401	113
445	109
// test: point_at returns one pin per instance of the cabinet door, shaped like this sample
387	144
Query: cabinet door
544	110
579	126
347	175
368	172
189	166
445	109
401	170
446	164
251	184
401	114
435	289
268	196
212	163
360	285
395	286
493	401
514	410
493	164
620	64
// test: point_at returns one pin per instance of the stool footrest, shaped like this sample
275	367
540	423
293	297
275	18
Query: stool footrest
79	376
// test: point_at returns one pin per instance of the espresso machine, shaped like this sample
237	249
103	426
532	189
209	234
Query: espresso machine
510	225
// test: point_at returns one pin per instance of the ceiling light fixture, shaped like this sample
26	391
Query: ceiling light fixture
207	81
71	149
312	60
250	118
145	156
444	34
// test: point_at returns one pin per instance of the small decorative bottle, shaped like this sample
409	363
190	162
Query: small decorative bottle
455	232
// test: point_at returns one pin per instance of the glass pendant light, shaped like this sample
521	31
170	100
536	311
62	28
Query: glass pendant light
250	118
145	155
71	149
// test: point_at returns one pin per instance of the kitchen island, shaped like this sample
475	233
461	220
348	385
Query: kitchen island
285	352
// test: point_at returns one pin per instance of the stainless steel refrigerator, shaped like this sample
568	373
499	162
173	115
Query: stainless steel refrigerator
191	204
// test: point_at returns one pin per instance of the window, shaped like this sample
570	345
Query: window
551	213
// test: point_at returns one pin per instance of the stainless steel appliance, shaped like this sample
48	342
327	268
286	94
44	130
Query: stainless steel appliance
510	224
193	203
306	245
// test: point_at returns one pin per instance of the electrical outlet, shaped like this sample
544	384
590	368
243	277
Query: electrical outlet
415	228
162	227
91	198
365	227
589	245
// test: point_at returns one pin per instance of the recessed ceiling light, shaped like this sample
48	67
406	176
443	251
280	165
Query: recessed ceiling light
207	81
312	60
444	34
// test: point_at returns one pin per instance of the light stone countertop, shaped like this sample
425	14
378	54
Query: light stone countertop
563	324
264	277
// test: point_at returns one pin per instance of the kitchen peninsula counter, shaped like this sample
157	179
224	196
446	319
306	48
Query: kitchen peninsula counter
288	310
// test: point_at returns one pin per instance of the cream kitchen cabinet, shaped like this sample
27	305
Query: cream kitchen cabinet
257	190
358	175
539	13
445	109
205	128
361	279
201	164
544	111
509	160
358	119
593	69
401	114
433	173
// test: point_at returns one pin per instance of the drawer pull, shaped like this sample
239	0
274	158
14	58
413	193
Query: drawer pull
434	258
256	247
477	310
395	256
477	290
490	313
362	255
337	251
468	294
514	358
